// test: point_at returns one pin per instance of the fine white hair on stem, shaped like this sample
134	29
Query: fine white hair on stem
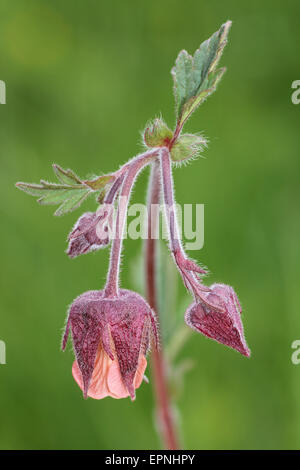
134	167
187	268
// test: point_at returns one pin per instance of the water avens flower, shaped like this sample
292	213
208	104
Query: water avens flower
85	235
225	327
111	337
113	328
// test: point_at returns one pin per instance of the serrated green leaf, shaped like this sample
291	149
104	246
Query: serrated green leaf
54	186
195	78
209	86
183	76
69	193
31	188
73	202
100	182
56	197
66	176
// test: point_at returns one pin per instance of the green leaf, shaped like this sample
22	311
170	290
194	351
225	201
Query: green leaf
187	146
56	197
183	79
73	202
32	189
195	78
70	192
66	176
100	182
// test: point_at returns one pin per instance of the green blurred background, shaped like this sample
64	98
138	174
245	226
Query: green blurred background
82	80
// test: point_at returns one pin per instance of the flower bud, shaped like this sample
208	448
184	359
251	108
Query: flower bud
187	146
226	327
89	234
111	337
157	134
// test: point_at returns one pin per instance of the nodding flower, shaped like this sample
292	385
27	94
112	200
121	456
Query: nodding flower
216	311
112	329
90	233
223	326
111	337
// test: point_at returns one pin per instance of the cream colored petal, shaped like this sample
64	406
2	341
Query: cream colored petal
106	379
98	385
116	387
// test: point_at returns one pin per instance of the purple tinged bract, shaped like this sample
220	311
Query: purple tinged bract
122	327
89	234
223	323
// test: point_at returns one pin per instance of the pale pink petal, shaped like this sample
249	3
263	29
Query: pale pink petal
115	382
98	386
139	375
106	379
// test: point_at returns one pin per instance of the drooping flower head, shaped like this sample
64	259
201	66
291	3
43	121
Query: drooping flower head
90	233
112	329
111	337
222	324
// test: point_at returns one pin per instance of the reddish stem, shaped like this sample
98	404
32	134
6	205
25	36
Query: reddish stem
133	169
187	268
176	134
165	415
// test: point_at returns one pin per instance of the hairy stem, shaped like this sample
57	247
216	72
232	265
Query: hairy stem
133	168
187	268
111	195
164	411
